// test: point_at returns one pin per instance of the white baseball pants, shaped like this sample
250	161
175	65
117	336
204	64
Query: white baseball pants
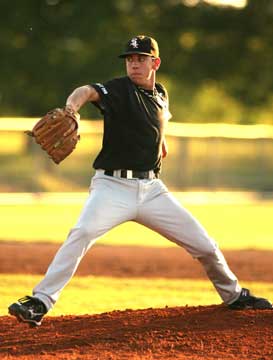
113	201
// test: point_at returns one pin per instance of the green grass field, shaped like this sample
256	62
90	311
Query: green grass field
233	226
90	295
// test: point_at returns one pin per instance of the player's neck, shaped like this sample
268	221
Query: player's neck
149	84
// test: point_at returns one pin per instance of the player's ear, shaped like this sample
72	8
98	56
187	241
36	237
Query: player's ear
156	63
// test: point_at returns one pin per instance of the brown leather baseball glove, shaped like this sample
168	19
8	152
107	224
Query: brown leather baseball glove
57	133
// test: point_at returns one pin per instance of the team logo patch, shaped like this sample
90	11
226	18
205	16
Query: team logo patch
103	89
134	43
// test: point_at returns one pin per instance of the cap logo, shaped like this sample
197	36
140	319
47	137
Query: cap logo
134	43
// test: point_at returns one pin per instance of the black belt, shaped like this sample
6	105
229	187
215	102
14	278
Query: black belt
131	174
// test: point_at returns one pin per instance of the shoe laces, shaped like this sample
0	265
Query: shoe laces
245	293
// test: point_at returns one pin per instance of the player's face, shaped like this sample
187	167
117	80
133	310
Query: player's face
140	68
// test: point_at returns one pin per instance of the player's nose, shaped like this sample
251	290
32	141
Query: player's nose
135	65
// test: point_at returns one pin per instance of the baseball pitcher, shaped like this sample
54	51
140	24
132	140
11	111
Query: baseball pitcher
126	185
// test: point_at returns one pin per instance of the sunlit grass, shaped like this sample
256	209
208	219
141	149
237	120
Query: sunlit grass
233	226
89	295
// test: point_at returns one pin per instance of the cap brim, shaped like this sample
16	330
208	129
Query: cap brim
134	52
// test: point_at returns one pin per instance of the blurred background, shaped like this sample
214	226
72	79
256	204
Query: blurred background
216	63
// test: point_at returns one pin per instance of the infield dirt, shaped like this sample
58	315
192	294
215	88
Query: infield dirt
192	333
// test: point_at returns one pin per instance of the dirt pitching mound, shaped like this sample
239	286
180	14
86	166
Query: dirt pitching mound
204	332
133	261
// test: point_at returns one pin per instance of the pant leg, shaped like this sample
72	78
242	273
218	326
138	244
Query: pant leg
161	212
110	203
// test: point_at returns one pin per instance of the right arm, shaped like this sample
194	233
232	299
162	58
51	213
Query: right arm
81	96
164	148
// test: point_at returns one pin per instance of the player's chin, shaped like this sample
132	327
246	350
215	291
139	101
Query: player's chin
136	79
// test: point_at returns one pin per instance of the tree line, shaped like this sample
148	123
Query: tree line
216	61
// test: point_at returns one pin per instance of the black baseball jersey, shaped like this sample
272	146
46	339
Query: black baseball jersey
134	121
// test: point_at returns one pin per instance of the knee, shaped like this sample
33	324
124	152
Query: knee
81	233
207	250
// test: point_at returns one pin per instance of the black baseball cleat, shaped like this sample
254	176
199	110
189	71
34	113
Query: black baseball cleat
247	301
28	309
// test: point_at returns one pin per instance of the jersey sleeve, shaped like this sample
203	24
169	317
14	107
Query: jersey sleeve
109	94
